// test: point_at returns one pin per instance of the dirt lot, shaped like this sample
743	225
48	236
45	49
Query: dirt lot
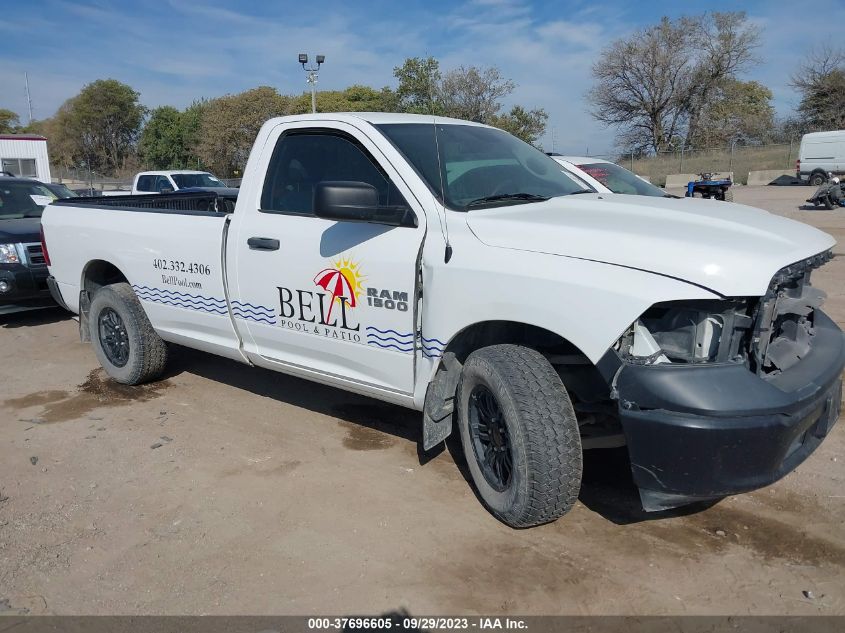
224	489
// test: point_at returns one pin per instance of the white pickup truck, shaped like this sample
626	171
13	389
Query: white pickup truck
448	267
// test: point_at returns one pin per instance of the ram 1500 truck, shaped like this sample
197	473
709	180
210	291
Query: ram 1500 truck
448	267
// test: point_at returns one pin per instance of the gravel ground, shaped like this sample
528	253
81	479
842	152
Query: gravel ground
228	490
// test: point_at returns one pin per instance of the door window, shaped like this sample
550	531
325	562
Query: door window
163	183
145	183
302	160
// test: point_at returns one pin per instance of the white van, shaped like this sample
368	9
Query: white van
820	153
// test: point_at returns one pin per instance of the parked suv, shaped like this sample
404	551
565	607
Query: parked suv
23	271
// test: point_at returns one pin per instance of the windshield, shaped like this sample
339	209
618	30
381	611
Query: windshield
183	181
620	180
62	191
23	200
478	166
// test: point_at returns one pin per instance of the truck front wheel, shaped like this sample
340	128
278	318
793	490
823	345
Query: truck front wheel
520	436
124	341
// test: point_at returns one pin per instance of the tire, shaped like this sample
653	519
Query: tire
817	179
540	431
115	311
728	196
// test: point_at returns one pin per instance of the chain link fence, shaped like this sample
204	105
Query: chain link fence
737	159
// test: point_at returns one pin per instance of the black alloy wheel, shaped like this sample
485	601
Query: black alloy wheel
490	438
113	337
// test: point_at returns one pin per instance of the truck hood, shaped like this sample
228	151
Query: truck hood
731	249
20	230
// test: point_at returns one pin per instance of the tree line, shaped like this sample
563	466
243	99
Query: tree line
675	85
106	129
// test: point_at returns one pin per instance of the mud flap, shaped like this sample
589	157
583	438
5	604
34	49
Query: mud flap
84	309
440	402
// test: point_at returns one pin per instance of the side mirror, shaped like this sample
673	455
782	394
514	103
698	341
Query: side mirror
166	190
351	201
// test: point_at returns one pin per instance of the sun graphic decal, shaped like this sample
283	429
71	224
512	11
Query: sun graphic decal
343	282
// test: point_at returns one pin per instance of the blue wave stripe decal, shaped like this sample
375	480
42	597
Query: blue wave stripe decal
253	312
245	311
187	306
198	304
432	348
428	355
188	298
256	319
391	345
243	304
433	340
388	331
175	292
390	338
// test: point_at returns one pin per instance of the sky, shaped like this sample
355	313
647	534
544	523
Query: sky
176	51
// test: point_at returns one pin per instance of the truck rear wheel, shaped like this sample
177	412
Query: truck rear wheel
520	436
124	341
817	179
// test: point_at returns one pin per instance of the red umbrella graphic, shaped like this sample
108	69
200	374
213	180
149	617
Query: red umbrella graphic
335	283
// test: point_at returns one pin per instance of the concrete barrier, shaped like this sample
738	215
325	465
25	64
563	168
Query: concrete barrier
772	177
681	180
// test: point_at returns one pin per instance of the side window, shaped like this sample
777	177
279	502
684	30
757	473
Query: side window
162	183
301	160
145	183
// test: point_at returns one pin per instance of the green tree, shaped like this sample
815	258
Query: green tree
99	127
419	86
737	112
529	125
821	82
474	93
9	121
162	141
471	93
230	124
355	98
192	130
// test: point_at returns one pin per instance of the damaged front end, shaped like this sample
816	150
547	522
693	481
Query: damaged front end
784	323
717	397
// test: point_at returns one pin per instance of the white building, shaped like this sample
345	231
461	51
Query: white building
25	155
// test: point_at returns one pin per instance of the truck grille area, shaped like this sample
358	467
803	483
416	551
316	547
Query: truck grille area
34	255
783	331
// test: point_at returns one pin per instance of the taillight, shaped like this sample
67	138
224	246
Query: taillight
798	165
44	248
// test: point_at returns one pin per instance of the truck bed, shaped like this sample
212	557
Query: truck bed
182	203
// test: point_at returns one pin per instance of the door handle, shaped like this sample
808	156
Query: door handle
263	244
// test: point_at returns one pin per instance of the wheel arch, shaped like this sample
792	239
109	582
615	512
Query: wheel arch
576	370
95	274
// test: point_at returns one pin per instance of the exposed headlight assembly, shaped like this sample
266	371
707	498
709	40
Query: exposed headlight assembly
709	331
9	254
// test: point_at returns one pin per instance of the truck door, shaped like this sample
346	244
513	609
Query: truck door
333	297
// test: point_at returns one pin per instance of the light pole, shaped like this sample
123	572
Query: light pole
311	77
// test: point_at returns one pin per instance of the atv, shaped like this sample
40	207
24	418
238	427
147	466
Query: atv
707	187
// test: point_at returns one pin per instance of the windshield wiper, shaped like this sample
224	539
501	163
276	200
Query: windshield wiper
572	193
505	197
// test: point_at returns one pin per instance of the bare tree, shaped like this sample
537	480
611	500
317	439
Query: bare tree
821	81
653	85
474	93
